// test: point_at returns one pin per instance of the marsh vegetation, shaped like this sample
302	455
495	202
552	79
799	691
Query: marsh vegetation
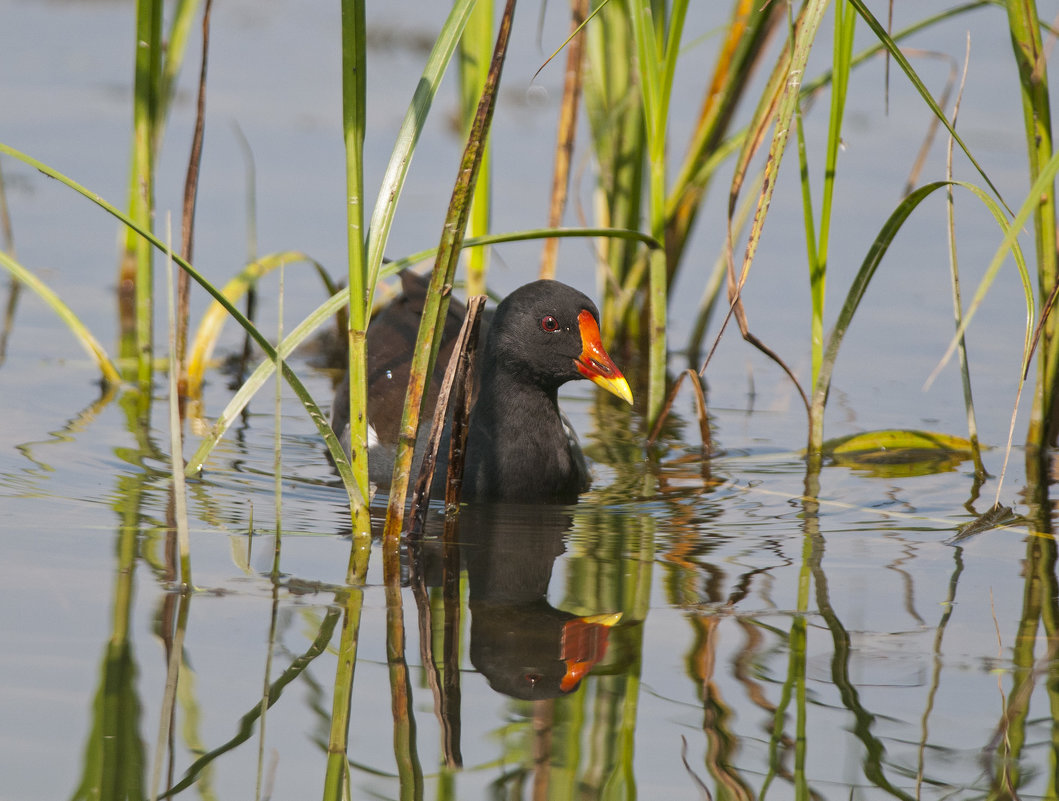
796	574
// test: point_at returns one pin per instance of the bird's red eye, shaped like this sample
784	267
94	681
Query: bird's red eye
549	324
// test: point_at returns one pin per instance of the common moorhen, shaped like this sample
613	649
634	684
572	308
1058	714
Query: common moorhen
519	447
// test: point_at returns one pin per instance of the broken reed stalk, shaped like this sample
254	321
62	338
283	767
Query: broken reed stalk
176	440
458	375
451	719
702	413
461	414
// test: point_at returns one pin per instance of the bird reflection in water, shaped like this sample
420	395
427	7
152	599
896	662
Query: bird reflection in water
524	647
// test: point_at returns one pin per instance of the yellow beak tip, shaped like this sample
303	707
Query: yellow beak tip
618	387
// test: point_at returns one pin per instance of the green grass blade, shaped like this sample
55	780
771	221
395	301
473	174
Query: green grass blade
657	48
614	111
744	46
1009	243
301	332
1031	58
668	68
814	85
842	52
818	238
386	203
804	35
777	109
66	314
213	320
176	45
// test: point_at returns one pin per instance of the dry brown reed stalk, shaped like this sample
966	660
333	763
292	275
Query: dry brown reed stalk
744	47
458	376
701	411
462	408
567	131
191	186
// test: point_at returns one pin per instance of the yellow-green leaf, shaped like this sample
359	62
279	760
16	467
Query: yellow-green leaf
899	452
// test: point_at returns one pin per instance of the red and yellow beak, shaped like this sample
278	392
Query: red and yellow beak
595	364
584	644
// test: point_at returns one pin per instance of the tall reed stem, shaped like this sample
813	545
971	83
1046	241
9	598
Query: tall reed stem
135	281
354	90
1033	74
818	238
657	46
612	104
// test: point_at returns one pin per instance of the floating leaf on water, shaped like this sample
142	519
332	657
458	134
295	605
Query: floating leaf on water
898	452
897	439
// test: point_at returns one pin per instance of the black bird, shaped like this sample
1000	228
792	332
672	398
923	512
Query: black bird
519	447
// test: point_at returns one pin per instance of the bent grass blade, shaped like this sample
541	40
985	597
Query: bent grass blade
66	314
213	320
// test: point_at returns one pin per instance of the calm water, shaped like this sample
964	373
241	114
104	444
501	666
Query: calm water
768	646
